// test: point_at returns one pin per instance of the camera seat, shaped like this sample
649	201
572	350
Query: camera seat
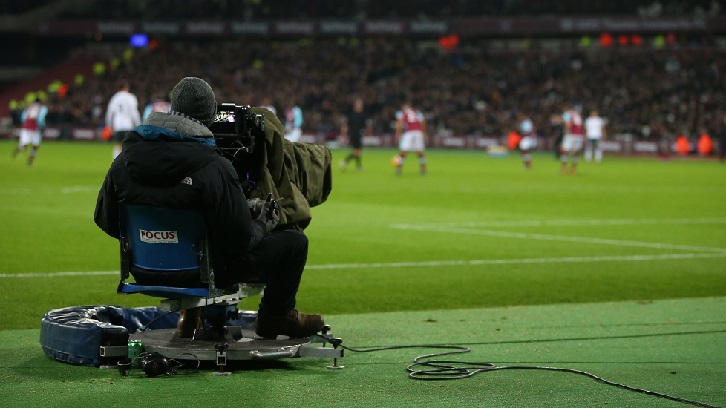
160	242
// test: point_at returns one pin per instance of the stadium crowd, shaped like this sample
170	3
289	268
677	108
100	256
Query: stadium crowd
470	91
375	9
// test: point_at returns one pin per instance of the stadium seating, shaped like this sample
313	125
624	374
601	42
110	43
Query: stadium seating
241	10
652	88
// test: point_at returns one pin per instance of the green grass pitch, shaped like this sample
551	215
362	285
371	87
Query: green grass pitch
475	232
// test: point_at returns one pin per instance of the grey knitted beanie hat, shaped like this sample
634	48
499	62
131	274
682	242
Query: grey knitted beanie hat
194	97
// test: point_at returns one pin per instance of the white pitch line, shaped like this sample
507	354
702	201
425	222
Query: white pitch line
79	189
56	274
462	262
568	259
62	190
574	223
547	237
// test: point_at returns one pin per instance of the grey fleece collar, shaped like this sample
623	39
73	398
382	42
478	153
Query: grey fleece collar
178	123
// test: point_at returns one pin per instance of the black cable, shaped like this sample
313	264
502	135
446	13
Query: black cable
146	326
180	364
440	370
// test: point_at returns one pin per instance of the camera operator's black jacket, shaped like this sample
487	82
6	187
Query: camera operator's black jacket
166	163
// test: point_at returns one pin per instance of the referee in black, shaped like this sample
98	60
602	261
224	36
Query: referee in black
353	128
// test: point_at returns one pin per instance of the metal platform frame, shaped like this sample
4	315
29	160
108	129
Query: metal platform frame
237	343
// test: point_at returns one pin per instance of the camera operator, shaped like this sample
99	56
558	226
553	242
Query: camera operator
171	161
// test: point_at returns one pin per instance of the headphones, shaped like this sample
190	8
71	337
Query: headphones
152	364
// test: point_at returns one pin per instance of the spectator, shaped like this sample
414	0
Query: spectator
475	92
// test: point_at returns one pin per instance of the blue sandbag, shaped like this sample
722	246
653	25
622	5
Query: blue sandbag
75	334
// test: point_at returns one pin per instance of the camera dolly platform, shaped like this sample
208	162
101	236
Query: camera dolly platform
236	343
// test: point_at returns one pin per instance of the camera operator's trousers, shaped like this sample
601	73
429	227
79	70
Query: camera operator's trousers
279	260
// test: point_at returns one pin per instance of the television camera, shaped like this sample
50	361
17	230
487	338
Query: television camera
236	128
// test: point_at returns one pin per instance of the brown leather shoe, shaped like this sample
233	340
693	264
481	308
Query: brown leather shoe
294	325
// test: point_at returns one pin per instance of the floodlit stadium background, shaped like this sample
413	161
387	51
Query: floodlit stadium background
478	252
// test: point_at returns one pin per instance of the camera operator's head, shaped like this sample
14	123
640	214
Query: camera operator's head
195	98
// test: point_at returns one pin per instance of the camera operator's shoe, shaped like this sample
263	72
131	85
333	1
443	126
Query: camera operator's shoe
294	324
